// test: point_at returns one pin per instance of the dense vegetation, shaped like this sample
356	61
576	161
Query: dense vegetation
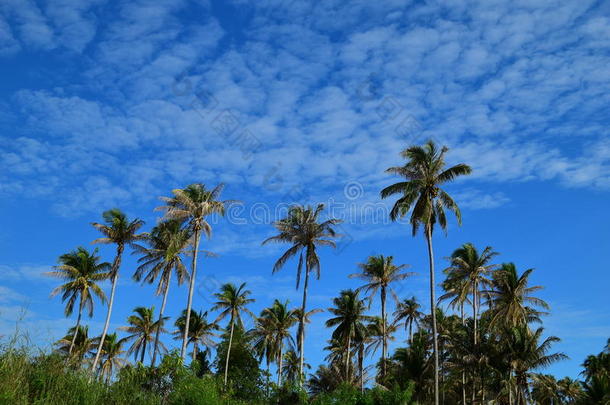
481	342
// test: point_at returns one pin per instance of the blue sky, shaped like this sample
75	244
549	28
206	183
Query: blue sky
114	103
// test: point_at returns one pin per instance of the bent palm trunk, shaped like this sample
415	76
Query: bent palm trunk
189	304
80	311
115	277
158	331
228	352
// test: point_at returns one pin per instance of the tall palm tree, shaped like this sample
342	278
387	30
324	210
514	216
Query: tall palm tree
82	271
232	301
306	318
112	356
425	172
201	332
511	299
348	320
119	230
142	329
160	260
193	205
304	231
280	320
379	272
408	310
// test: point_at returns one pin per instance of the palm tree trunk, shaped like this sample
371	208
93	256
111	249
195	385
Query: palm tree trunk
158	331
195	350
383	333
410	332
268	374
463	373
347	357
361	365
474	315
280	365
433	309
143	352
189	304
80	312
510	389
115	278
302	329
229	352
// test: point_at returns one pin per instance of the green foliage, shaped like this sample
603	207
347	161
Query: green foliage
45	379
244	375
350	395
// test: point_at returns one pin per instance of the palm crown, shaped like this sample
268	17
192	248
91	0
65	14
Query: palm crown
82	271
303	229
511	299
142	328
118	229
167	242
425	173
193	204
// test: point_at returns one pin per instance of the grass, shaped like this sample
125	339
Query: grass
29	377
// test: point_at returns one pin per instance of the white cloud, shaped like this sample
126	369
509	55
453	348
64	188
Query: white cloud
25	272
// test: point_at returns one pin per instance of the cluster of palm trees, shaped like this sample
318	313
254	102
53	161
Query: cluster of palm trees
488	354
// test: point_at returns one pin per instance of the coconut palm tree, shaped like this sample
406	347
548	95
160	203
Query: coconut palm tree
525	352
280	319
112	356
378	334
263	342
348	320
232	301
327	379
142	329
425	172
76	344
469	265
162	259
290	370
378	273
193	205
119	230
545	390
408	310
468	270
201	332
511	300
596	391
306	321
305	232
81	270
570	390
